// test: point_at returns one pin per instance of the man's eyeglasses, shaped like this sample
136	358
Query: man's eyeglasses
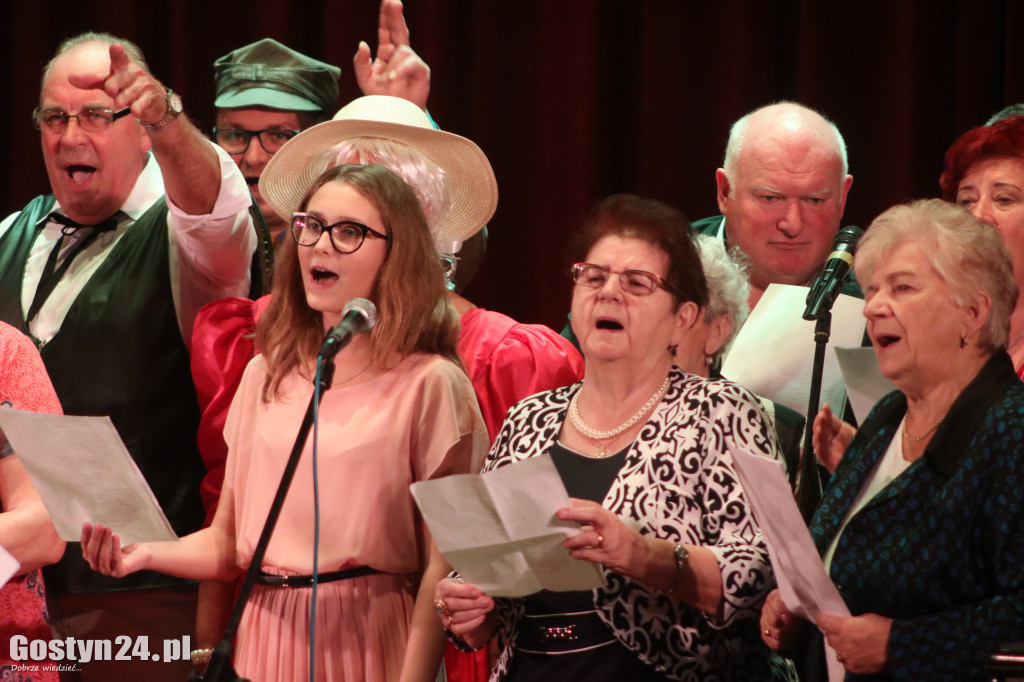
635	282
237	141
346	236
91	119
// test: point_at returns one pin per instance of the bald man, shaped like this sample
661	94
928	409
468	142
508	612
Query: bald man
782	190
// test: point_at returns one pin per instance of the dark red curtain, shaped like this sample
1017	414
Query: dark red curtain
576	99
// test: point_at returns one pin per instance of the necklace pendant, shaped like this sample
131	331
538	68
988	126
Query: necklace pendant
600	452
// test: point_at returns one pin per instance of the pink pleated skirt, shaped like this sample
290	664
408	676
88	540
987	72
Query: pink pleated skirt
362	626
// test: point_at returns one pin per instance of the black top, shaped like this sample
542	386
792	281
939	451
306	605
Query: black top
586	478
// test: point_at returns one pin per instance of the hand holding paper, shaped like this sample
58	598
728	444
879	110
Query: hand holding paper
83	472
805	587
102	550
500	532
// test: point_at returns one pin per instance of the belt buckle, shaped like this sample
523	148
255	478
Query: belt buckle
293	580
562	633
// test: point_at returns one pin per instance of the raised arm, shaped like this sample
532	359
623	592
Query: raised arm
397	70
187	161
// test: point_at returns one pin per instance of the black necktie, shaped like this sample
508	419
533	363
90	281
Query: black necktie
51	273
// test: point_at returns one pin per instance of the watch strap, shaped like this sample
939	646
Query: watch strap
172	112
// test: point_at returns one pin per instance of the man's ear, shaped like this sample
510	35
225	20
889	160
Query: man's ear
722	183
845	192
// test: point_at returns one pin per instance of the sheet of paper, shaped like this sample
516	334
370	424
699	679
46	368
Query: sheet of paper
83	472
499	530
774	352
864	381
8	566
806	589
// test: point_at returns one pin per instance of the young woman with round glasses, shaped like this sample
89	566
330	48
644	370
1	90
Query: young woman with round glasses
400	410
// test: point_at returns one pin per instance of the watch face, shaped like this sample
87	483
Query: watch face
174	102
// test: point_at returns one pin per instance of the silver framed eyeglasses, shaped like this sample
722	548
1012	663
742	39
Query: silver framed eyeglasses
346	236
91	119
635	282
237	140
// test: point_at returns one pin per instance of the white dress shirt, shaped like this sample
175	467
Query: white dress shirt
210	254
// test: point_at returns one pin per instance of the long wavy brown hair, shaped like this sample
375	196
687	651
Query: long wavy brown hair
413	311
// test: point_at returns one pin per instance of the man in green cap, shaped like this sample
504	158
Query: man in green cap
267	93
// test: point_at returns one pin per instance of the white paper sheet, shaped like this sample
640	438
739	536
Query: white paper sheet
9	566
83	472
774	352
500	532
805	588
863	378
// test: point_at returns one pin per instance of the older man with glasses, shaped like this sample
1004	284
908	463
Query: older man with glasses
147	222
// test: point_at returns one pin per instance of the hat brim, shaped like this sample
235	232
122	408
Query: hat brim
472	188
264	97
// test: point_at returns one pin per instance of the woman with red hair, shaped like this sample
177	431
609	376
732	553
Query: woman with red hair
985	174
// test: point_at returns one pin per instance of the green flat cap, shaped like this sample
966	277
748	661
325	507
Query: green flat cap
269	74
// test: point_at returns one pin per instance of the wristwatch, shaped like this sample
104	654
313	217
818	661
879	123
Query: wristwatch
174	110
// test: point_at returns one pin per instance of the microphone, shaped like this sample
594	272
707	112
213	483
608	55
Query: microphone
358	316
826	288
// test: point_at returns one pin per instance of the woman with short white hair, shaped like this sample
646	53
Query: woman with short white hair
921	528
702	350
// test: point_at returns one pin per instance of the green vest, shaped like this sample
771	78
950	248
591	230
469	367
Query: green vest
119	352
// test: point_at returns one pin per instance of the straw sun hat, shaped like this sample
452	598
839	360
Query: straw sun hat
470	181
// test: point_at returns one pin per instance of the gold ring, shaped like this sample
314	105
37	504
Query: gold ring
441	606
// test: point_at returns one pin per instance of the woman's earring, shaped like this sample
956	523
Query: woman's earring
673	349
709	360
963	342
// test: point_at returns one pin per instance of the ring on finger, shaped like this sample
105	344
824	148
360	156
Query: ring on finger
441	606
600	541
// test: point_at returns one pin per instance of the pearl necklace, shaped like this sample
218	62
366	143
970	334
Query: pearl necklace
595	434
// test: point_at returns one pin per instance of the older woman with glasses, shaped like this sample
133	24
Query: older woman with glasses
400	410
644	450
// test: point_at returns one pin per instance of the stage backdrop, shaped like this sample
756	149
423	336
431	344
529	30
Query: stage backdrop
576	99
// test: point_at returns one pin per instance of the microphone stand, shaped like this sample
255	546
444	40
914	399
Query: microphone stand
810	481
219	668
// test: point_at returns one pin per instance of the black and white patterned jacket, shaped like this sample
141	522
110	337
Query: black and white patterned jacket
677	483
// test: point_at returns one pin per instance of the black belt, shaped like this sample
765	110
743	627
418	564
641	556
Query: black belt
562	633
263	578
